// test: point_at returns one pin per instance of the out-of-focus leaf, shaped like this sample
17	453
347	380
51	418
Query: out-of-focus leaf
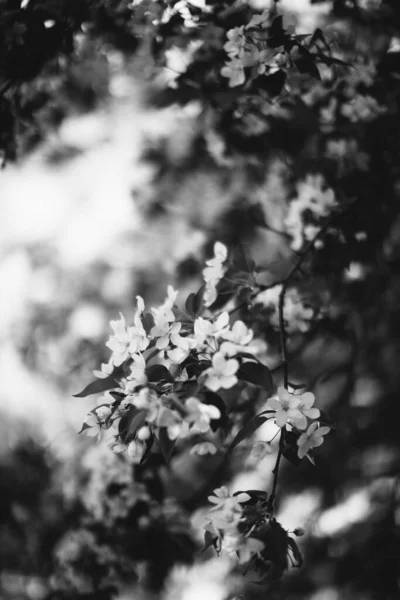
166	445
257	374
248	430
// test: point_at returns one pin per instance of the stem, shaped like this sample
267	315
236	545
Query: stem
284	353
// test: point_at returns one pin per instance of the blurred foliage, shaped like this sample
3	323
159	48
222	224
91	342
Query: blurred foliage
244	155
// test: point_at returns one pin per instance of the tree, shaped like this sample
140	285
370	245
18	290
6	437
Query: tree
198	376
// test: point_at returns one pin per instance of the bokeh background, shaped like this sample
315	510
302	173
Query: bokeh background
117	192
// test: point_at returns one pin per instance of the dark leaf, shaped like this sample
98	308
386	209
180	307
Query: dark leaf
148	322
157	373
98	386
210	539
257	374
272	84
166	445
294	549
290	448
212	398
306	64
148	446
248	430
135	422
189	305
325	419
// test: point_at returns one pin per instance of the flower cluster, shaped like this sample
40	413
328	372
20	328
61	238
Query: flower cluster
223	526
314	201
297	315
296	410
247	48
162	371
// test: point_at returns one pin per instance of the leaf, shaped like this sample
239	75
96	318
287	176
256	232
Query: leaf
306	64
242	261
209	540
194	369
136	421
257	374
166	445
194	303
97	386
272	84
297	556
325	419
148	446
148	322
157	373
290	448
189	304
216	400
248	430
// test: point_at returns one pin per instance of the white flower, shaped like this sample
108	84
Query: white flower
164	312
248	547
222	372
105	370
239	334
143	433
236	41
215	270
206	330
165	331
306	401
213	273
223	499
137	376
312	438
103	412
203	448
135	450
126	341
234	71
94	426
287	407
200	415
183	347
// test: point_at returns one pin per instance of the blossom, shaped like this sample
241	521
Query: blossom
239	334
236	41
312	438
126	340
306	401
224	501
137	375
203	448
248	547
234	71
164	312
215	270
183	347
135	450
105	370
287	407
222	372
206	330
165	332
200	415
93	425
